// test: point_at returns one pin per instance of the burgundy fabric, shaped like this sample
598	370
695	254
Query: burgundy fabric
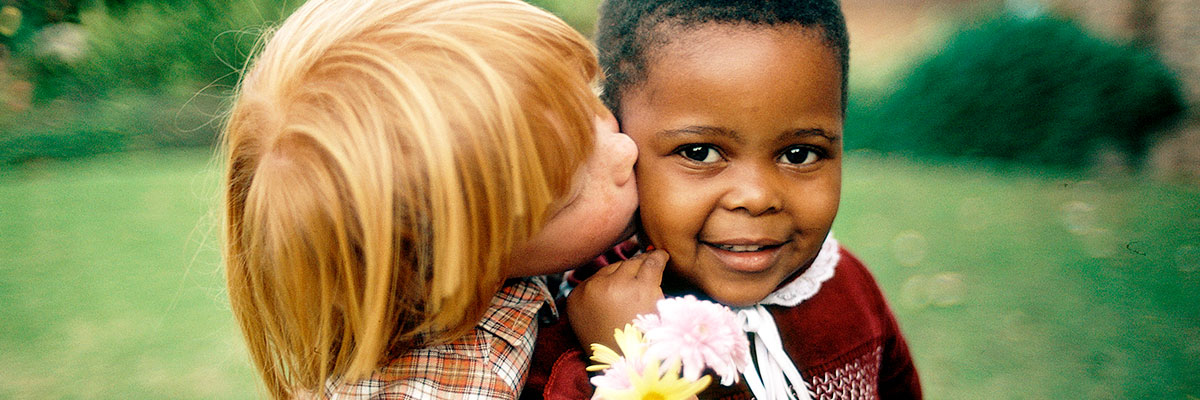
844	340
557	349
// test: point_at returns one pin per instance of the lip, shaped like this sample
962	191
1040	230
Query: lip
746	261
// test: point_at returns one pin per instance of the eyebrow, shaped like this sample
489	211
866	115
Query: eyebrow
830	136
733	135
701	131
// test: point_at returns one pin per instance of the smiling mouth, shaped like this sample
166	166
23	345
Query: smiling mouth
746	257
738	248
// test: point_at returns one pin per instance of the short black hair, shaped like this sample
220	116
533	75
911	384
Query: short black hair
629	31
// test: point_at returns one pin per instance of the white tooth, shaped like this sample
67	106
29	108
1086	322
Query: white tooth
741	248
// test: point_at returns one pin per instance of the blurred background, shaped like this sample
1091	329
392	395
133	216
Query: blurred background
1023	177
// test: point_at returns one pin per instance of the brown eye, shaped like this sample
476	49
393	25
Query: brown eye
799	156
701	153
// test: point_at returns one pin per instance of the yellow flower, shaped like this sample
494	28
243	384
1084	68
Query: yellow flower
651	384
629	340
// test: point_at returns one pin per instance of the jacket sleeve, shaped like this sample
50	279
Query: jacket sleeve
897	375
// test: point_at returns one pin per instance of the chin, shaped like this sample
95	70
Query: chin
736	298
722	291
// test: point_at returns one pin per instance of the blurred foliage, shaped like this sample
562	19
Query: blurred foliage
88	77
581	14
1036	90
35	14
137	75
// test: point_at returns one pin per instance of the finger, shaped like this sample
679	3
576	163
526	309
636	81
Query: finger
608	269
652	268
628	269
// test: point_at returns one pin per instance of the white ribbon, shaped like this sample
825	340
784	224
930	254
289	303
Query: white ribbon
772	375
775	377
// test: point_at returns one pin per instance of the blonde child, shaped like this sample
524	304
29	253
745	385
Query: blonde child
396	167
737	109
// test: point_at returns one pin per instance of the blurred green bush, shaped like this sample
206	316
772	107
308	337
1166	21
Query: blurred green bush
1035	90
139	75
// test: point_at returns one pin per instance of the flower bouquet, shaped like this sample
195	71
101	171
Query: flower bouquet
666	355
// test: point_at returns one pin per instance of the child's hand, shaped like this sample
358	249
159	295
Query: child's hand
614	296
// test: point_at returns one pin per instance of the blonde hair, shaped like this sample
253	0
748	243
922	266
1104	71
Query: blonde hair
385	157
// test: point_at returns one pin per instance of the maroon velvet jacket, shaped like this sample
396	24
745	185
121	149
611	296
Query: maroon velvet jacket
844	340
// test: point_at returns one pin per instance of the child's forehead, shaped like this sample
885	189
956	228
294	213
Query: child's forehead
764	81
711	42
720	47
728	45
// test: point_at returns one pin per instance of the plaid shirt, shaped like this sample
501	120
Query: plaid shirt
489	364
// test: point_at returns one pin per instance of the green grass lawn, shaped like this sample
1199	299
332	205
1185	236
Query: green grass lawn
110	281
1008	284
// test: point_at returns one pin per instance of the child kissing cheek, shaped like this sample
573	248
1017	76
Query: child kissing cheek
739	166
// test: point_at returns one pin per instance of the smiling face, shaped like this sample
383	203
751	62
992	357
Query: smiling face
739	133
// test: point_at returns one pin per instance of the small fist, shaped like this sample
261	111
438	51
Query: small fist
614	296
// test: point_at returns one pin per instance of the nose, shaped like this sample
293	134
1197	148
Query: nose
624	153
617	148
751	190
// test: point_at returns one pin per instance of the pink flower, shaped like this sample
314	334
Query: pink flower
615	376
700	334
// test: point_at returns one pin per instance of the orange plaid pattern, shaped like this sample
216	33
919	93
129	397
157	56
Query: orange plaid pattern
490	363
